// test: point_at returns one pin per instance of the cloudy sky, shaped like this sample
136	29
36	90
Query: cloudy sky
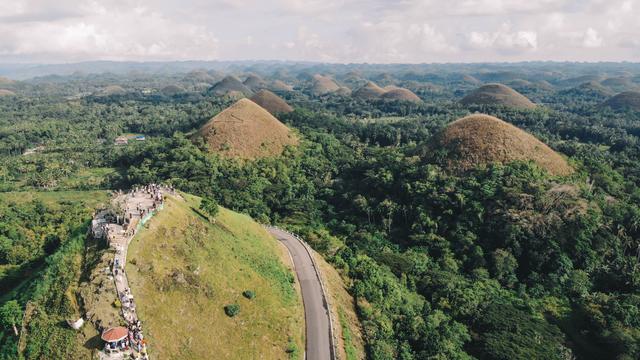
374	31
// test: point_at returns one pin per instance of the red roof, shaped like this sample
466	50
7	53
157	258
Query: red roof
115	334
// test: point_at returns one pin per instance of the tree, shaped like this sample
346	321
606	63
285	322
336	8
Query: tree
210	207
10	315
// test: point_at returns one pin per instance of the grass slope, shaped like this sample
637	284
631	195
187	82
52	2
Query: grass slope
184	270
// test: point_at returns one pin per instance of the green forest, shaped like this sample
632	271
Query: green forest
503	261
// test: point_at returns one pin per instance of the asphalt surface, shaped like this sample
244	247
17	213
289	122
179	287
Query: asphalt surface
316	314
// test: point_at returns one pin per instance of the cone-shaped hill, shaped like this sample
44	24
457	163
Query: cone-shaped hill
254	82
279	85
112	90
625	101
199	76
591	88
369	91
6	81
497	94
321	85
478	140
619	83
5	92
172	90
247	131
228	84
401	94
271	102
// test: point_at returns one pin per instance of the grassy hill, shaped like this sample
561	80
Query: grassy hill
184	269
247	131
628	100
482	139
497	94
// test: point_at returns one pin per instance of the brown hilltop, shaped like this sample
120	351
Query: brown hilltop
470	79
619	84
5	92
228	84
199	76
592	87
112	90
271	102
6	81
254	82
279	85
321	85
482	139
343	91
400	94
171	90
628	100
246	131
369	91
497	94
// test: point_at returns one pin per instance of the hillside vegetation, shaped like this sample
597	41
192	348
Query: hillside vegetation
184	270
43	247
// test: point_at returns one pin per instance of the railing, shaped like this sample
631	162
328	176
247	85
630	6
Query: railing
325	297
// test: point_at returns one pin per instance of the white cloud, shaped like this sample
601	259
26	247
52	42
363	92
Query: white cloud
591	38
320	30
504	40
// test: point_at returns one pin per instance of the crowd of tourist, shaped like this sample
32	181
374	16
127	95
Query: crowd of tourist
133	344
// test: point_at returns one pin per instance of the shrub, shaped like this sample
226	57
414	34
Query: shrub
232	310
249	294
292	349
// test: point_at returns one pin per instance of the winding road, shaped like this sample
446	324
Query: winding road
316	312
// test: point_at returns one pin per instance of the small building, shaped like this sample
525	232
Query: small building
140	138
122	140
114	339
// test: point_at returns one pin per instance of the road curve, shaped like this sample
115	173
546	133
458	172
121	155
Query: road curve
316	313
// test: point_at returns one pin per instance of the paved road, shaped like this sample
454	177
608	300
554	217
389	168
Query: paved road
316	314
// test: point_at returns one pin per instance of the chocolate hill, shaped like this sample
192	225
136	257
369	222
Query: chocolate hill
400	94
228	84
619	84
5	92
254	82
171	90
497	94
5	81
246	131
478	140
199	76
112	90
321	85
592	88
271	102
279	85
628	100
369	91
